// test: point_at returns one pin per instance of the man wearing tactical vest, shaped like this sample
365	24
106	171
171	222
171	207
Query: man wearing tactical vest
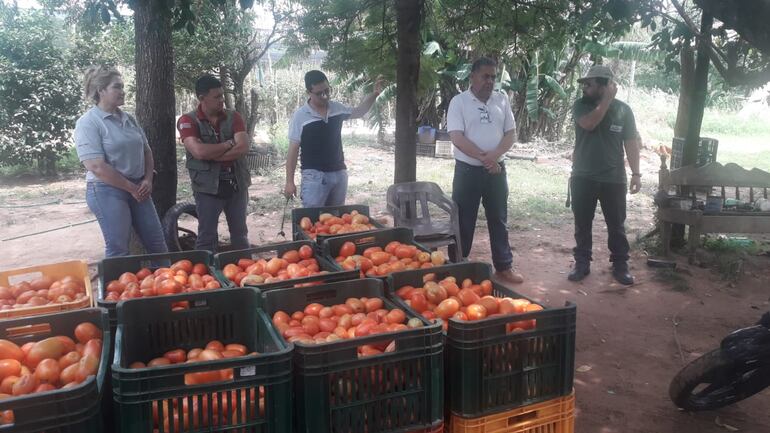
216	142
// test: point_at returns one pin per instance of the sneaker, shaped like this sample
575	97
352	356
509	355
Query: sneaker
621	274
509	276
580	271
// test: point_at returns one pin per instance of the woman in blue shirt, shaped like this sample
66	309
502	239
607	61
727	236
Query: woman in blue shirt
114	150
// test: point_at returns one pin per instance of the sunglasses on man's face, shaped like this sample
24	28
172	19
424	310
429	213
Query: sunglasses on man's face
321	93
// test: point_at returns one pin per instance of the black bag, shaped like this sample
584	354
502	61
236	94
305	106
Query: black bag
228	185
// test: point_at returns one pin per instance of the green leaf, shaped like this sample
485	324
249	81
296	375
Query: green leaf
555	86
551	115
533	83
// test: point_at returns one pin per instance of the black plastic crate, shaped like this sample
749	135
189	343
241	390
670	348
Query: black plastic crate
314	212
148	328
277	250
335	391
73	410
111	269
489	370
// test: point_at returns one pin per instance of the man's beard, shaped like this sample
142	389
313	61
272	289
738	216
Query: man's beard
589	99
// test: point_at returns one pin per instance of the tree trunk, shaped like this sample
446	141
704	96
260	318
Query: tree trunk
692	141
687	71
224	74
155	101
408	18
251	120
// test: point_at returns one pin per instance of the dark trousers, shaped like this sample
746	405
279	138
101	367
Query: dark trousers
209	207
471	186
612	197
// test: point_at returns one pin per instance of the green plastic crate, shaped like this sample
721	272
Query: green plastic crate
73	410
147	328
335	391
489	370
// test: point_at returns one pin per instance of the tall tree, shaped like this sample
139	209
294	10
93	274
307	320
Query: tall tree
155	99
408	16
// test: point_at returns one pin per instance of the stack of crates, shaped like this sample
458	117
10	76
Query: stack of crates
73	409
500	381
337	391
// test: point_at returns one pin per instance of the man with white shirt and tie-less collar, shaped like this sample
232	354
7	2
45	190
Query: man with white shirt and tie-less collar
482	128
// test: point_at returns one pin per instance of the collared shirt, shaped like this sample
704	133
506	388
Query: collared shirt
189	128
599	153
484	124
117	138
320	138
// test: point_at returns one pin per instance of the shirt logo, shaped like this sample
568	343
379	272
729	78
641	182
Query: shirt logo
185	125
484	115
616	128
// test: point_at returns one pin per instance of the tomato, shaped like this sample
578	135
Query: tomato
435	293
9	367
193	353
68	374
395	315
305	252
237	347
355	305
311	325
69	359
291	256
87	331
51	347
200	269
491	304
447	308
9	350
25	385
184	265
143	273
6	386
476	312
418	302
158	361
93	347
281	316
347	249
176	356
113	286
128	277
48	371
390	248
43	387
373	304
137	364
468	297
214	345
460	316
313	309
404	292
379	258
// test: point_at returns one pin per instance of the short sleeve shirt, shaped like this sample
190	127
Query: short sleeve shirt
117	138
599	154
188	127
319	138
484	124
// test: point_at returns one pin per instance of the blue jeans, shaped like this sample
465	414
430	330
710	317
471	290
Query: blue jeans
209	207
117	211
472	186
323	188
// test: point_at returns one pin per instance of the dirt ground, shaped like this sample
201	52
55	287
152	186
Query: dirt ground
628	348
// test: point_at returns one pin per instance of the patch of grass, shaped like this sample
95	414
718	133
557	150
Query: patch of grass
747	160
279	137
677	282
719	122
67	164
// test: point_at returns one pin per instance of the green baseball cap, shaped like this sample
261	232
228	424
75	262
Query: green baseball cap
598	71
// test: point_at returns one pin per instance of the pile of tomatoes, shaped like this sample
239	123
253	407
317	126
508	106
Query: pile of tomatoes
336	225
292	264
182	276
357	317
396	256
53	363
213	351
468	301
225	409
43	291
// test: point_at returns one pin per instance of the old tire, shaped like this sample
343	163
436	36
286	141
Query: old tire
175	240
713	381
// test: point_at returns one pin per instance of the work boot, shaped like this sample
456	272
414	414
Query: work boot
508	276
580	271
621	273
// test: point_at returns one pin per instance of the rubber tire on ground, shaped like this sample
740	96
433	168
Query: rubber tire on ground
742	384
171	224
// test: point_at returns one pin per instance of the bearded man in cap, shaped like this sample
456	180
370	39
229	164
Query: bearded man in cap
605	130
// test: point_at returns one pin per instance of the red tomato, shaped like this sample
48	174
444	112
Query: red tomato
87	331
347	249
447	308
395	315
10	367
356	305
158	361
47	371
237	347
373	304
468	297
9	349
25	385
214	345
476	312
418	302
305	252
69	359
176	356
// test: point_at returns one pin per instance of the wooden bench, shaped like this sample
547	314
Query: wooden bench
725	181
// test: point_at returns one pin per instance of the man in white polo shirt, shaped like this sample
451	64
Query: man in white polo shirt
482	129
